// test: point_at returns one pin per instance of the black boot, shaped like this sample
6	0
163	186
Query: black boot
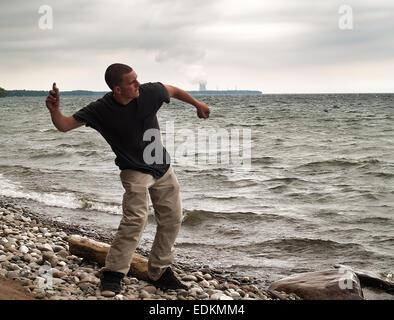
110	283
168	281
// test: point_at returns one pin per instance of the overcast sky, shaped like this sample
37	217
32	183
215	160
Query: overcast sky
278	46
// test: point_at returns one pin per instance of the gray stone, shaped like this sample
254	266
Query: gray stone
85	286
204	283
58	274
57	248
195	291
207	276
56	281
150	289
203	295
189	277
234	294
63	253
12	274
182	293
24	249
28	258
13	267
220	296
236	282
57	297
48	256
322	285
91	279
144	295
44	247
39	293
7	232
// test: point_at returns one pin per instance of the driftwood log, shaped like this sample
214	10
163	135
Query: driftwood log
96	251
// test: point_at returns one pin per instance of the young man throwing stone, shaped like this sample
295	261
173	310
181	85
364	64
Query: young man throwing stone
122	117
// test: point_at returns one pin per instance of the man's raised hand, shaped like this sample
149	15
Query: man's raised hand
53	99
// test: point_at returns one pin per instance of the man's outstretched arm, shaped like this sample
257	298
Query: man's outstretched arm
202	108
60	121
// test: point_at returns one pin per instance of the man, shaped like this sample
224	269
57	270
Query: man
122	117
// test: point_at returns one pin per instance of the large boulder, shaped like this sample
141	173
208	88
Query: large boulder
340	284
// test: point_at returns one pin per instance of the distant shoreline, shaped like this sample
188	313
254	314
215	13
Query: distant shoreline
42	93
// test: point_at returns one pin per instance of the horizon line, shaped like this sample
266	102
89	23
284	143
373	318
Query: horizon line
197	91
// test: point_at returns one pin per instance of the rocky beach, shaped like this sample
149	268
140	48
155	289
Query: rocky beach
35	263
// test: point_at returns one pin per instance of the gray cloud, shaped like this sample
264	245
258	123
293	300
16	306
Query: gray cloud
207	34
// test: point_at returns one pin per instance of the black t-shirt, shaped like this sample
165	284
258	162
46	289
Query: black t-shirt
123	127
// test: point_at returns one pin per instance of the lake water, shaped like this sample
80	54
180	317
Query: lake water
313	184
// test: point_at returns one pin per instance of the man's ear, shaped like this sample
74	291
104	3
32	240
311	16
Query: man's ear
116	90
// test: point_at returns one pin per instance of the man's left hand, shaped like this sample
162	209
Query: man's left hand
202	110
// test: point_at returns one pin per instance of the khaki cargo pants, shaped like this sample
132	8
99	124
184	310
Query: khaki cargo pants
165	196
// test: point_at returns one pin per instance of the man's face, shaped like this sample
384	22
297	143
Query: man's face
129	88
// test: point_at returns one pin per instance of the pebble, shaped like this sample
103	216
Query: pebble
183	294
189	277
85	286
57	282
195	291
44	247
48	256
207	276
62	263
234	294
144	295
203	295
204	284
220	296
12	274
58	274
58	248
24	249
150	289
7	232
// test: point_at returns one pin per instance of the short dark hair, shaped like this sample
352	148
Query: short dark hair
114	73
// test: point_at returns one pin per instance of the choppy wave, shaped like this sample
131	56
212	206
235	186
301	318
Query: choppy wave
376	220
195	217
263	160
328	163
63	153
304	245
288	180
56	199
291	247
384	175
